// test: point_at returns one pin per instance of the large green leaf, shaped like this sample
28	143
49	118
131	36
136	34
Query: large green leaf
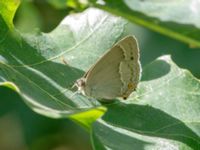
42	67
162	114
177	19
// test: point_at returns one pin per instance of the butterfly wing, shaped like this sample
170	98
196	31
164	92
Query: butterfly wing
117	72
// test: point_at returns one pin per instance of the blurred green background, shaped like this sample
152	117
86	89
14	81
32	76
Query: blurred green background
23	129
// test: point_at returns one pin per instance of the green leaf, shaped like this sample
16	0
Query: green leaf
59	4
162	114
177	19
78	5
28	11
44	66
7	10
85	119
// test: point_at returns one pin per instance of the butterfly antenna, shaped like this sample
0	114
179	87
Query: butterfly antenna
74	85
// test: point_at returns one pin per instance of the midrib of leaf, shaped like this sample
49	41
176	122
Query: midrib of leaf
153	133
28	79
153	27
69	49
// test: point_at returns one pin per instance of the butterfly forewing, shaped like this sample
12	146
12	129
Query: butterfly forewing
116	74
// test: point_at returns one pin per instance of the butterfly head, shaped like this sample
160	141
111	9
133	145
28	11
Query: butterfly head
80	84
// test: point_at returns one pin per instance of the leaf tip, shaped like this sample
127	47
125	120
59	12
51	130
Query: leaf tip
10	85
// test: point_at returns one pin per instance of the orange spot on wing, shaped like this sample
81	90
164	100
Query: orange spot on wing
130	86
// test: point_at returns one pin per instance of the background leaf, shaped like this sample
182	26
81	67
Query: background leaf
162	114
177	19
7	10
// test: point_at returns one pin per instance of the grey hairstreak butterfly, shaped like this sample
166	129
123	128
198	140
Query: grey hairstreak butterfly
115	74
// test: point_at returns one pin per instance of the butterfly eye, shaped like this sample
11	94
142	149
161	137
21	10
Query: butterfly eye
82	83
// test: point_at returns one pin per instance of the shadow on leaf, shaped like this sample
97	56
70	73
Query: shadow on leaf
149	121
158	69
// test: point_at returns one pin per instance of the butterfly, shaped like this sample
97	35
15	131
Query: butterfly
115	74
